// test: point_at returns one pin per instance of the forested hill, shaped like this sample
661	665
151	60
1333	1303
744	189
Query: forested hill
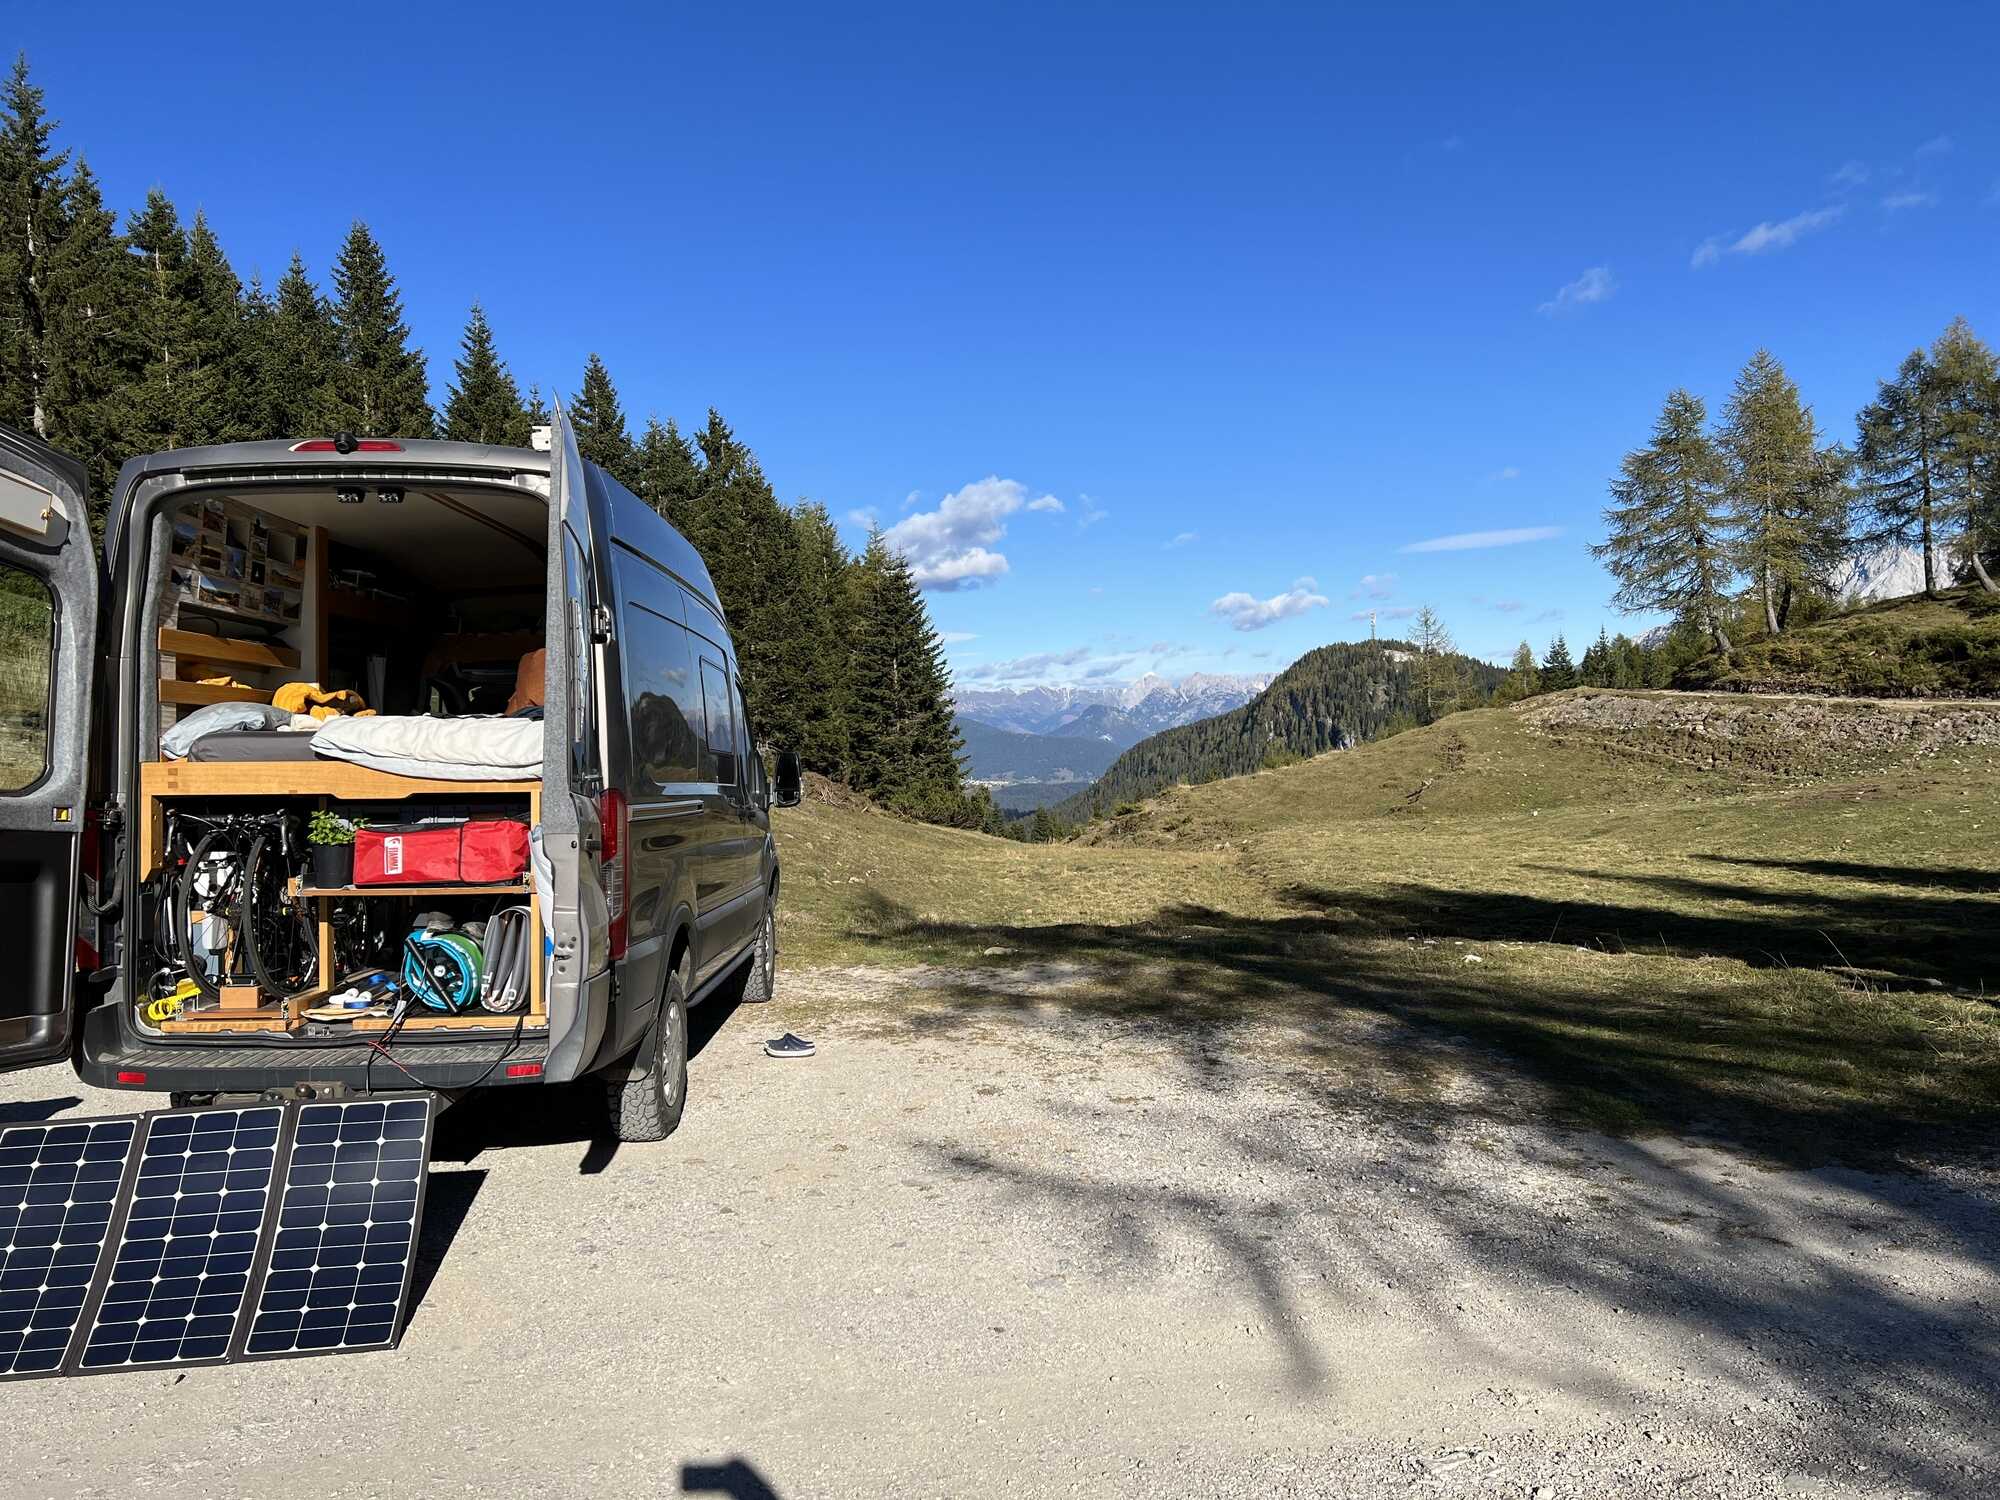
1329	699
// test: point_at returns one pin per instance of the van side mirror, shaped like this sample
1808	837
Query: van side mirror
788	779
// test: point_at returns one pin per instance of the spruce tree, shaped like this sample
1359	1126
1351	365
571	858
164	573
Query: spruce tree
216	386
484	406
1595	668
379	381
1968	463
538	409
31	214
1667	543
154	405
599	422
1558	671
292	354
1787	505
904	746
819	634
92	344
669	477
1898	450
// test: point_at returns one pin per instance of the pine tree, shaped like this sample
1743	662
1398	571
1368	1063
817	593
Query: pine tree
820	635
538	409
1786	502
485	404
905	748
669	477
1523	679
215	385
380	381
153	406
1666	545
599	422
1558	671
31	216
92	345
1898	452
1595	668
1968	460
293	359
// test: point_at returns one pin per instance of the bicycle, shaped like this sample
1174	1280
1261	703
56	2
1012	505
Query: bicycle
241	876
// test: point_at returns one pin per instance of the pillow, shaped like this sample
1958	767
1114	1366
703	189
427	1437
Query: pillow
176	742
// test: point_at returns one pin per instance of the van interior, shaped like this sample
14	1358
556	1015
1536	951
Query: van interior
407	620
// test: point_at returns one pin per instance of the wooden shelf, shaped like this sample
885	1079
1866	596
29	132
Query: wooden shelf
306	778
339	891
196	646
173	691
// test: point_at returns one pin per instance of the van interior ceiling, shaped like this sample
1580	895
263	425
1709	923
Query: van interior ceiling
307	609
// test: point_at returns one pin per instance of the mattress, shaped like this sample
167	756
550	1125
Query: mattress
253	744
461	749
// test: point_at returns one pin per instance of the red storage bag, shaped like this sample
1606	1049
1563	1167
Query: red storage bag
418	854
492	851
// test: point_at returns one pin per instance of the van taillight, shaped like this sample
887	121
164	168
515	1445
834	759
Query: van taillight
615	863
328	445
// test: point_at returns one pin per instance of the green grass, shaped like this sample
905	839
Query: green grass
1947	647
1803	960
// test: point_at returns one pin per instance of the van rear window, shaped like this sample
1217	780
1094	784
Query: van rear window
663	698
27	649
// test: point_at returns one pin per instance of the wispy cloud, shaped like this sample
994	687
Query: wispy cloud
1092	513
864	517
1850	175
1595	285
1248	612
1914	198
951	547
1394	612
957	637
1473	541
1452	142
1937	145
1182	538
1038	665
1545	617
1779	234
1047	503
1502	475
1373	586
910	500
1508	606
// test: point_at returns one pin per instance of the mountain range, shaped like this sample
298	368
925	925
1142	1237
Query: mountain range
1120	713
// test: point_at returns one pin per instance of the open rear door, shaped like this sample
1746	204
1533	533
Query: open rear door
48	650
572	771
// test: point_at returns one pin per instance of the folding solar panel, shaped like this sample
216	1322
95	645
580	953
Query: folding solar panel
176	1285
346	1233
58	1186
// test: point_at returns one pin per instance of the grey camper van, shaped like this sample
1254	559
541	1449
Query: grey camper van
506	678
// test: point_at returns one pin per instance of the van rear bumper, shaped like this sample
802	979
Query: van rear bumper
107	1053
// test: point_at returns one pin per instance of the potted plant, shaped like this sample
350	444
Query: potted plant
332	840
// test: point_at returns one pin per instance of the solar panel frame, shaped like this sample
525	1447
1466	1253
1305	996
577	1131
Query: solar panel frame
106	1147
191	1182
325	1204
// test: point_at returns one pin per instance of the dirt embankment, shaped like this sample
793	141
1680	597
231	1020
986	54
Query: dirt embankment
1777	735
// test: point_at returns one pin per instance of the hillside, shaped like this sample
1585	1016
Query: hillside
1001	755
1912	647
1329	699
1635	937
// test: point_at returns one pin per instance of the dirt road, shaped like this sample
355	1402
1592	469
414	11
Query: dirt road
1020	1251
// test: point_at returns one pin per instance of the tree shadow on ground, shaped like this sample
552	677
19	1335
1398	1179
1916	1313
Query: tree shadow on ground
1973	882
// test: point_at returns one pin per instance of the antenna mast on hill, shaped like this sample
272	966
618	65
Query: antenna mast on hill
1371	624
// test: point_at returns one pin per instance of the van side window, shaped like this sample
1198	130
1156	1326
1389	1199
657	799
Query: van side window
753	763
665	701
27	655
718	755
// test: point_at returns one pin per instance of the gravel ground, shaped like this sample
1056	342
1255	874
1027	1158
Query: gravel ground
1027	1252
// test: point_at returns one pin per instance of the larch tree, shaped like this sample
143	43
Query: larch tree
1435	671
1968	450
484	405
1668	542
379	380
1524	678
1898	448
1786	502
31	213
599	422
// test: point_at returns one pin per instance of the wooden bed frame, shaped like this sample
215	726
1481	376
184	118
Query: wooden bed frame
332	781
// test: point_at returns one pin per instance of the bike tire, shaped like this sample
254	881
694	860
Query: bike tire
183	906
264	877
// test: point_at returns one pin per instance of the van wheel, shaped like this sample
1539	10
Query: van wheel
760	981
646	1105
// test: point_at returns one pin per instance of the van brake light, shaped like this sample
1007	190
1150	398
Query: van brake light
615	864
365	445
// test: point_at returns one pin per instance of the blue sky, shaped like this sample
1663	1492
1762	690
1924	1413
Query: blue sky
1171	337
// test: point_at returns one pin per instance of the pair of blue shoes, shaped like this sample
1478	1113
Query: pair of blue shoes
789	1045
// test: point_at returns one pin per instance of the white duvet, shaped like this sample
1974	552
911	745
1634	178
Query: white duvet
470	749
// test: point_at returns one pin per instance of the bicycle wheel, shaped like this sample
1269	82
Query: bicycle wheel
280	931
208	883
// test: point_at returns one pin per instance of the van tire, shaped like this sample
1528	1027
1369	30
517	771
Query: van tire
646	1104
760	979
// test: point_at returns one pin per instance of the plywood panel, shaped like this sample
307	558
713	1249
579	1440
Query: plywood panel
194	645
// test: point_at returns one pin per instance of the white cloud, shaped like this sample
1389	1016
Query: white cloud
1247	612
1047	503
1896	202
1937	145
1594	285
910	500
951	547
957	637
1507	473
1092	513
1472	541
1850	174
864	517
1767	236
1373	586
1508	606
1181	539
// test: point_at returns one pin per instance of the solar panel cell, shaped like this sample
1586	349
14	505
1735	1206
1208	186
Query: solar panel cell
58	1185
177	1285
346	1230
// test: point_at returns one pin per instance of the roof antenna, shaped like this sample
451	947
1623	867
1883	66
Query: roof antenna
345	442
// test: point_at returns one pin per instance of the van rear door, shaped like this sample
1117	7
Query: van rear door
48	652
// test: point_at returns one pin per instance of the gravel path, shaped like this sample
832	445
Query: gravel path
1030	1253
